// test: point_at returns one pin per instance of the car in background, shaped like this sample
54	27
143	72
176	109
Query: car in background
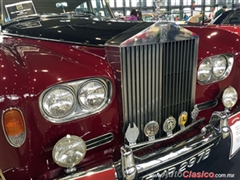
86	96
230	17
198	20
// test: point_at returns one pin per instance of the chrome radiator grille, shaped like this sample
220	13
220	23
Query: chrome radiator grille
158	81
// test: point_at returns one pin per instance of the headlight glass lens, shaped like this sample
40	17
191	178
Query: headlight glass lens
59	102
215	68
229	97
92	95
220	66
204	70
69	151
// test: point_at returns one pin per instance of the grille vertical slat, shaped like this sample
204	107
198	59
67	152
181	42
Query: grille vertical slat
145	85
178	70
124	90
149	84
153	83
158	97
141	64
157	82
133	83
183	56
138	87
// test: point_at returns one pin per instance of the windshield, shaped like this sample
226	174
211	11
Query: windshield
15	9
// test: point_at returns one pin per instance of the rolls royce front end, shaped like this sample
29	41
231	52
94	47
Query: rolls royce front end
89	97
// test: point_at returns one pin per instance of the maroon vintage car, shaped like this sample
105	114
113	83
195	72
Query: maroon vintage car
85	96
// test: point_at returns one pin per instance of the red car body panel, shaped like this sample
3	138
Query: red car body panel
109	175
31	77
33	66
214	41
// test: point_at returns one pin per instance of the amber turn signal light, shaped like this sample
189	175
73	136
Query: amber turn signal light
13	122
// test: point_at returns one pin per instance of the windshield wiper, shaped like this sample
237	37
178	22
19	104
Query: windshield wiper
68	15
86	12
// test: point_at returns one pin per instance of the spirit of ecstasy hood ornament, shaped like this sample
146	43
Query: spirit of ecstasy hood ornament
158	4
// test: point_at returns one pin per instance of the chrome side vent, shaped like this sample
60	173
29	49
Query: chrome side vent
99	141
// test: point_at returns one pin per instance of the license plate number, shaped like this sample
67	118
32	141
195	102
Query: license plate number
180	167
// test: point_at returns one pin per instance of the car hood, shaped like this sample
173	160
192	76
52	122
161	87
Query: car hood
83	31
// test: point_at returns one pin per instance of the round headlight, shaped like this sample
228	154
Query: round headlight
58	102
229	97
69	151
219	66
92	95
204	70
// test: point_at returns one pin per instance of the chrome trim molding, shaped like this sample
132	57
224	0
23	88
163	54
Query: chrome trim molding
180	161
46	39
79	111
203	106
207	105
99	141
212	78
199	142
209	137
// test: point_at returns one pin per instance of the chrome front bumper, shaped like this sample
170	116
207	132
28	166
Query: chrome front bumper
209	137
131	167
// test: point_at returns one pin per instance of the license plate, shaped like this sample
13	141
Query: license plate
234	125
179	167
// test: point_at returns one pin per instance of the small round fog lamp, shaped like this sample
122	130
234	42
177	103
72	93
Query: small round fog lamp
69	151
229	97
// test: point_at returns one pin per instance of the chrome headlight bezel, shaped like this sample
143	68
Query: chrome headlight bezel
213	77
79	111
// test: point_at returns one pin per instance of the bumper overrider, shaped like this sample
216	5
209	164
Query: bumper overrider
173	160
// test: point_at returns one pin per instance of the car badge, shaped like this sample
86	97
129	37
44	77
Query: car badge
182	120
169	125
151	129
132	134
194	113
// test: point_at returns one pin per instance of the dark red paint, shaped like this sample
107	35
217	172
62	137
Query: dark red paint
28	67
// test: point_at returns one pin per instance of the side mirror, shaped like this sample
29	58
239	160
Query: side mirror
234	20
61	5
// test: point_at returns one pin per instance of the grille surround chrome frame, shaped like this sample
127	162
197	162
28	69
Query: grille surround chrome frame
139	66
145	77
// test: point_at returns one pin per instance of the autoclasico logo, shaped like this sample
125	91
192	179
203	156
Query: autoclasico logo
203	174
188	175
